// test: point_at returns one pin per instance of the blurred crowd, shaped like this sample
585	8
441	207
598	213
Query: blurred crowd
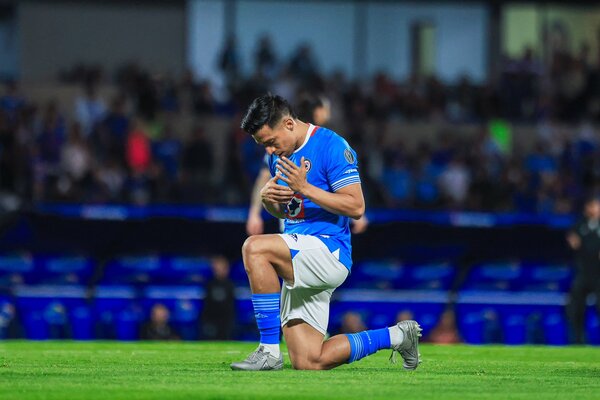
128	148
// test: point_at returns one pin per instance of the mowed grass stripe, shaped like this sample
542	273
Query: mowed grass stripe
113	370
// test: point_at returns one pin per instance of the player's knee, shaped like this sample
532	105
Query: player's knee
308	364
251	247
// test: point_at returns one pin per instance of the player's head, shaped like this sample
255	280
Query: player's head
271	121
314	109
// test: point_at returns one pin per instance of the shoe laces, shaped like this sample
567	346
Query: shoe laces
256	355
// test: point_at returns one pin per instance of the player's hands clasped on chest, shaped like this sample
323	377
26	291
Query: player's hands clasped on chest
275	193
292	174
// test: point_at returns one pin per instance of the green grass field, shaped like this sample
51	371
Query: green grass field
111	370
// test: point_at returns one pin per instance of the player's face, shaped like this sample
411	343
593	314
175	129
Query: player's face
278	140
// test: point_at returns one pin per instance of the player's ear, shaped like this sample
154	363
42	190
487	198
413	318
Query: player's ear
289	123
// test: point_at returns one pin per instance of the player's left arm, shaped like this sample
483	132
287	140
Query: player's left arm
347	201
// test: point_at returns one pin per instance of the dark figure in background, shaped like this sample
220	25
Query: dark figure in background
584	239
158	327
219	304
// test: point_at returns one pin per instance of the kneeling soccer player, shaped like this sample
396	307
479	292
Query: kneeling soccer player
316	187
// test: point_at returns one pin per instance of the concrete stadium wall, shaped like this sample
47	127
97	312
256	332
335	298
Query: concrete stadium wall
57	35
356	38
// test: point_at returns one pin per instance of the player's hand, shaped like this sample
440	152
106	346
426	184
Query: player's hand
272	192
255	224
295	176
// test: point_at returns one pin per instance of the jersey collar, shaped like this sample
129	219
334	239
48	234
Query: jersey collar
309	133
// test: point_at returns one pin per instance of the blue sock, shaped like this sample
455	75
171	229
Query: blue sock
366	343
266	312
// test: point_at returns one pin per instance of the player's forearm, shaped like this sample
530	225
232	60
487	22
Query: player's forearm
274	209
337	203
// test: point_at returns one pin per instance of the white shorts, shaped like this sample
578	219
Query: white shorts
317	273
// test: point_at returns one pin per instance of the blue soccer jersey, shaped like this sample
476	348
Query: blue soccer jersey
331	165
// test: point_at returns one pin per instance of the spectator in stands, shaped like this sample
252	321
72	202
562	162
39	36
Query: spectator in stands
352	323
405	315
445	332
230	61
10	324
113	131
492	328
76	163
584	240
110	178
197	161
218	317
139	155
158	327
265	58
90	109
12	102
59	326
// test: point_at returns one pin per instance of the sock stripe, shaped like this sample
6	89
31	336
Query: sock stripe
266	312
365	343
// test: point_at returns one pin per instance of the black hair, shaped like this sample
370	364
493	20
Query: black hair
266	110
306	107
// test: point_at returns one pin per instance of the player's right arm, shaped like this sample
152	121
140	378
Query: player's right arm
274	197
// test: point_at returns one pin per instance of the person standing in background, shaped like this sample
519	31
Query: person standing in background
218	317
584	239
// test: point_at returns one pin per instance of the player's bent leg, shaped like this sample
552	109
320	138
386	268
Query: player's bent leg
307	350
266	257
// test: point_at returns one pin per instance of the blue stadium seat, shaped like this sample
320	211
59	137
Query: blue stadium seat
375	274
544	278
15	268
592	326
555	329
187	270
435	276
133	270
238	274
62	270
50	312
494	276
116	313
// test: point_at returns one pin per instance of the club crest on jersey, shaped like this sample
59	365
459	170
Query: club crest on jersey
295	208
349	156
307	164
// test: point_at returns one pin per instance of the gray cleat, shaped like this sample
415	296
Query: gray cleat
260	360
409	348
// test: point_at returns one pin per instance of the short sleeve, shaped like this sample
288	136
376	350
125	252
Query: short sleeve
342	166
269	162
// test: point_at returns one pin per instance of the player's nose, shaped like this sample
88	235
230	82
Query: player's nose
270	150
